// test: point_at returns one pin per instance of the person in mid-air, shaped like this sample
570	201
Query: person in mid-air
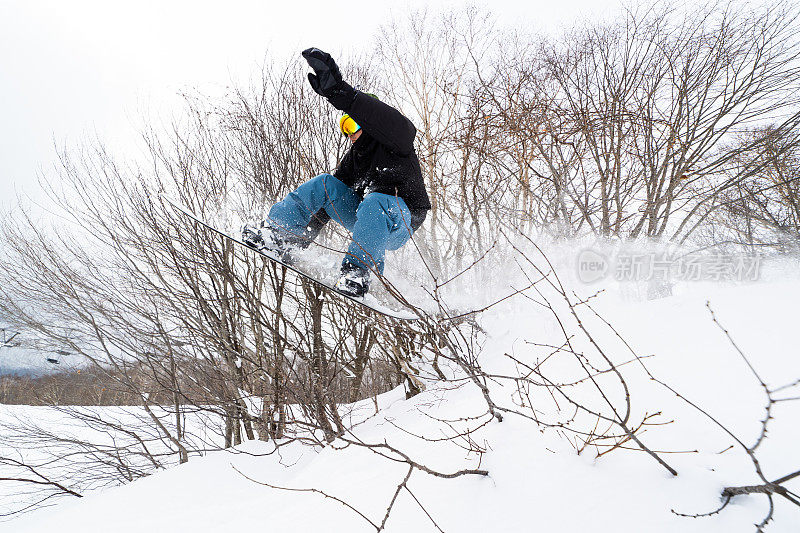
377	192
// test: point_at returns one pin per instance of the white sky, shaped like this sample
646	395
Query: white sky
77	68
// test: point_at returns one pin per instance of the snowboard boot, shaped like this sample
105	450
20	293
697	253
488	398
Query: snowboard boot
271	240
354	281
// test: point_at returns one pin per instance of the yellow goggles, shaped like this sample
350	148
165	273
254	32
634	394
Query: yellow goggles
347	125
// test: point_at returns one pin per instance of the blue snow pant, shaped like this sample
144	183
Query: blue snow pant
379	222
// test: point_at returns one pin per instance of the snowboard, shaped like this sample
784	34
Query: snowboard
367	301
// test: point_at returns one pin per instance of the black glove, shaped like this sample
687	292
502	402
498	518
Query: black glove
327	79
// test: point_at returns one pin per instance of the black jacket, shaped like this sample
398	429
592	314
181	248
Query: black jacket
383	158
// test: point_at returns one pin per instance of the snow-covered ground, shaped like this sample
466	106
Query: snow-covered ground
536	480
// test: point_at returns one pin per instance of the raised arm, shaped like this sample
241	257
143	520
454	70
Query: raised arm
380	120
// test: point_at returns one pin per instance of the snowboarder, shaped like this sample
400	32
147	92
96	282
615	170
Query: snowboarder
377	192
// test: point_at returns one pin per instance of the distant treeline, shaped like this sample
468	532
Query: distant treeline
89	386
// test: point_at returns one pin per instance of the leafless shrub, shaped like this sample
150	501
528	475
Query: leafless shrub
774	397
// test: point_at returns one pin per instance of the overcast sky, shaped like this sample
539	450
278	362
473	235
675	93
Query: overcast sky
77	68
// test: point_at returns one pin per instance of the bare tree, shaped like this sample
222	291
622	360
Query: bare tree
761	210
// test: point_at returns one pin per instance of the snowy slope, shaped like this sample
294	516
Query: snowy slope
19	356
536	481
21	360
